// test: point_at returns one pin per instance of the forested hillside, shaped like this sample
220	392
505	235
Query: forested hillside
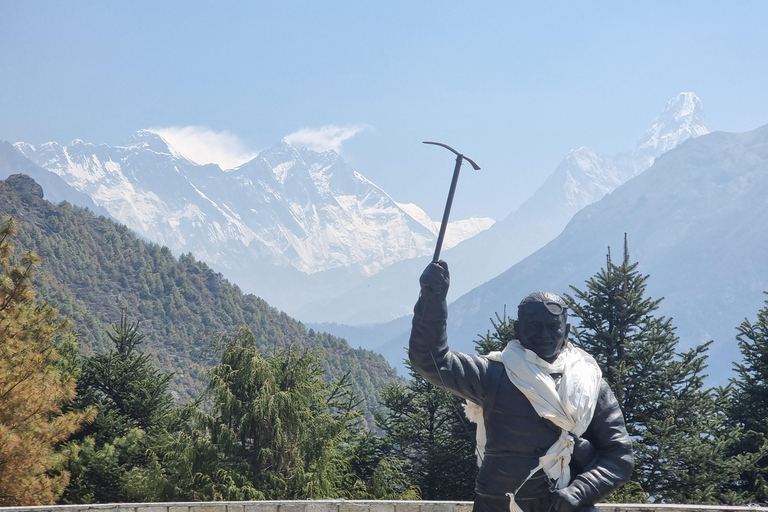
93	268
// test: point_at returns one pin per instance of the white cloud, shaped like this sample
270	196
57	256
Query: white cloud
205	146
325	138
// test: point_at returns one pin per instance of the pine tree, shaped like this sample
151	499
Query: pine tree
503	332
35	383
676	423
748	405
134	404
426	427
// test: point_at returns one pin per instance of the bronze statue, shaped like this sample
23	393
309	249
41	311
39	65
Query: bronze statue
554	436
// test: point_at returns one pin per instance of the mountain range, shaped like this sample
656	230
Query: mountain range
293	224
314	237
583	177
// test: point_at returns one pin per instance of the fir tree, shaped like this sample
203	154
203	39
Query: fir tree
748	405
426	427
676	423
503	332
35	383
134	405
125	383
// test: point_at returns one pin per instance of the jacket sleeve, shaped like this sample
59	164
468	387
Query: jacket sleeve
613	463
462	374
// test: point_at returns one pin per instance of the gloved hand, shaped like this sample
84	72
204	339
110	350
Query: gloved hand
566	500
434	282
435	279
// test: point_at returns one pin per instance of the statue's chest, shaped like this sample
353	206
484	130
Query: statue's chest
513	425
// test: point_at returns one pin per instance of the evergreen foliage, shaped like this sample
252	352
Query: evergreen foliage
277	422
426	427
376	473
37	379
124	383
282	418
276	428
495	340
677	425
748	405
134	403
94	268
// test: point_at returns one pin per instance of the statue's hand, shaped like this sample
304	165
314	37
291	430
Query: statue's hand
435	279
565	500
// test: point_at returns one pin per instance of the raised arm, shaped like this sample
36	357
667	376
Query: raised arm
462	374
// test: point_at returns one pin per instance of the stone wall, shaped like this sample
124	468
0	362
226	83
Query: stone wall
346	506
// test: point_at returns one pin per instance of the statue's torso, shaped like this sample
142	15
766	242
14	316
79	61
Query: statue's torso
515	439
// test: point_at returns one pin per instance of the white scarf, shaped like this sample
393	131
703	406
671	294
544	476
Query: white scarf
569	405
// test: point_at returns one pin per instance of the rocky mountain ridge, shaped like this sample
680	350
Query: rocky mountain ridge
92	269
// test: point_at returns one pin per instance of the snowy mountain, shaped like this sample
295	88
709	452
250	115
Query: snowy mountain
290	212
695	223
55	188
314	213
583	177
144	186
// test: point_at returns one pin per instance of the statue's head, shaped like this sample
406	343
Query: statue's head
542	324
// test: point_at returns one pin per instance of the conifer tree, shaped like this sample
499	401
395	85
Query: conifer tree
129	390
279	425
376	473
134	404
426	427
34	386
503	332
676	423
748	405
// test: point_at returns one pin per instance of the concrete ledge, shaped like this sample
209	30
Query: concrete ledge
348	506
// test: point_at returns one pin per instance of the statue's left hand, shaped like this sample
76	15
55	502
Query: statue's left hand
565	500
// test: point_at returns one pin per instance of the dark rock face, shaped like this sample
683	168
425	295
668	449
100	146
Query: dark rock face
24	185
213	281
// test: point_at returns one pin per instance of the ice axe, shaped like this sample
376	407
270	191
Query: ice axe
447	212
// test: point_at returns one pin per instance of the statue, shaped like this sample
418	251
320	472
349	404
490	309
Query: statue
553	433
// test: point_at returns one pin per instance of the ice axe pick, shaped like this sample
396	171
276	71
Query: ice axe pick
447	212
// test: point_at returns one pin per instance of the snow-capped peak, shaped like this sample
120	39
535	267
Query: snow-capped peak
289	162
682	118
145	139
24	147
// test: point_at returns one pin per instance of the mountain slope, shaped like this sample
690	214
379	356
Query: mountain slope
92	268
315	213
582	178
695	222
12	162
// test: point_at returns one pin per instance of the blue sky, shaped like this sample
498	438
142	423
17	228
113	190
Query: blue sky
513	85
